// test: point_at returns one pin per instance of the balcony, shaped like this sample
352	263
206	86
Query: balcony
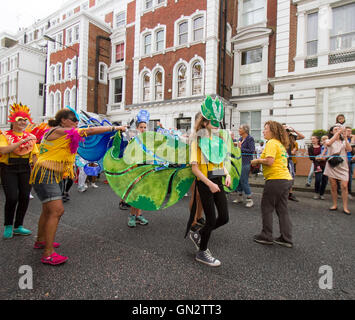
249	90
341	57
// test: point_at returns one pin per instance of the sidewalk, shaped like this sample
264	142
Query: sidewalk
299	183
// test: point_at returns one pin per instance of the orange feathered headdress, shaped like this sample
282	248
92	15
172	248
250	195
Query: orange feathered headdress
19	111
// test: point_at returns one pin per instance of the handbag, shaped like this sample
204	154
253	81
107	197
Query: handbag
335	159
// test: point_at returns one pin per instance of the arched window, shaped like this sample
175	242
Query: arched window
67	98
57	102
197	78
51	104
59	72
146	87
52	74
73	97
102	72
181	92
68	70
158	86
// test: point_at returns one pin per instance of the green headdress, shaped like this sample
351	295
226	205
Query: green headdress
213	110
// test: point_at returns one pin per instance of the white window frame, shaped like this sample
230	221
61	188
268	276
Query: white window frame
114	93
57	103
144	71
104	79
243	43
67	98
158	68
192	63
68	69
51	99
117	23
52	74
156	39
190	28
193	18
68	41
145	34
240	16
179	34
59	67
115	51
73	96
175	78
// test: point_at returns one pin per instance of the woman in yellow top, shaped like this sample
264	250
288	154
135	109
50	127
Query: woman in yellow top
209	185
277	186
18	151
55	162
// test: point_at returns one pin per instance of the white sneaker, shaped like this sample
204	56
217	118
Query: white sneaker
239	199
316	197
249	203
82	189
206	258
31	196
94	185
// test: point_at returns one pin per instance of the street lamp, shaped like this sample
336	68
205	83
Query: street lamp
48	38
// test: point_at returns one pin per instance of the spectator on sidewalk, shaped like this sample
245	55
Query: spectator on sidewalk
338	146
247	145
340	119
293	136
277	186
310	175
315	154
351	162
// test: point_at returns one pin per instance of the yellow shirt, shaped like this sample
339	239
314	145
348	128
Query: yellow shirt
279	169
204	165
56	158
4	158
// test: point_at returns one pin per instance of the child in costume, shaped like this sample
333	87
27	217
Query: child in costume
206	157
18	152
55	163
136	214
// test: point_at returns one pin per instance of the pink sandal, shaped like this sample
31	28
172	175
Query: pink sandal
54	259
41	245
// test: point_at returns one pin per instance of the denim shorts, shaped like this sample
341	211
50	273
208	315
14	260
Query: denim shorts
47	192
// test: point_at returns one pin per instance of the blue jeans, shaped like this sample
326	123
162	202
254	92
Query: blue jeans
351	171
244	180
310	175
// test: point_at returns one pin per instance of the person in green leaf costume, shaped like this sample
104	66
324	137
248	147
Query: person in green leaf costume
155	171
208	152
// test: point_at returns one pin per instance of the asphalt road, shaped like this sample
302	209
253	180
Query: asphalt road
107	260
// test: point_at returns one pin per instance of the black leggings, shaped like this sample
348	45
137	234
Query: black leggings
209	200
15	181
65	185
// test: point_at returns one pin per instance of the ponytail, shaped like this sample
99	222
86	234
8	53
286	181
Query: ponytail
61	114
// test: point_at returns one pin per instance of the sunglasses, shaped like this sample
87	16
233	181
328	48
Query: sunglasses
73	119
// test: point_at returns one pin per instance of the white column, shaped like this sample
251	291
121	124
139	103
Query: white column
264	76
301	42
137	47
325	108
324	26
211	62
236	74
